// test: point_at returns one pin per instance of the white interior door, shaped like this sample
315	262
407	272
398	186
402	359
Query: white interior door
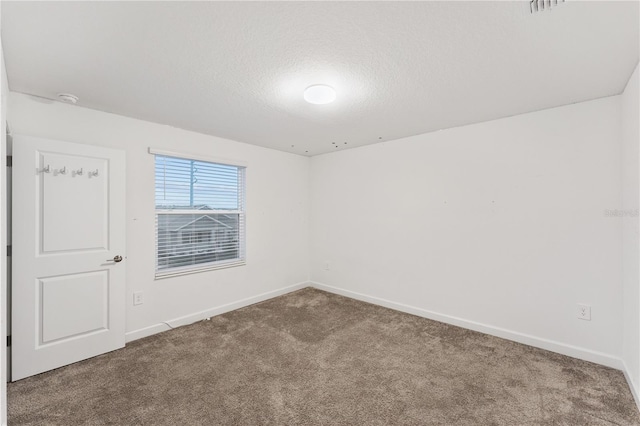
68	284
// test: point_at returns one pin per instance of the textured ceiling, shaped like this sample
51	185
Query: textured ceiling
238	69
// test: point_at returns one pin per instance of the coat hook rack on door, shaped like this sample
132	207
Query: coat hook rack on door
46	169
63	171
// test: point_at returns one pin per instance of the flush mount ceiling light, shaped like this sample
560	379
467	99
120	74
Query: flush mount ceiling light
68	98
319	94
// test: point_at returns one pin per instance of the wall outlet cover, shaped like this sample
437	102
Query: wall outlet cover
584	312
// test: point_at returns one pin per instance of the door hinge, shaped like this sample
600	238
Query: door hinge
9	250
8	340
9	161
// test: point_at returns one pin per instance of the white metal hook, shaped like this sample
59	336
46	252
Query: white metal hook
62	171
44	170
77	172
93	174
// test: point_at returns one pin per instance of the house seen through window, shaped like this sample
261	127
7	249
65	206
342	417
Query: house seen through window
199	215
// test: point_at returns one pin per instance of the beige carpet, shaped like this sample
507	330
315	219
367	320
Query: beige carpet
314	358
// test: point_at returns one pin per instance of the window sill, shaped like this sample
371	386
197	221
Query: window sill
176	272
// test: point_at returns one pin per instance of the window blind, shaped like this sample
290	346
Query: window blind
200	219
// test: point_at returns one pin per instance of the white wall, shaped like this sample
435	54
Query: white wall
277	212
630	236
498	226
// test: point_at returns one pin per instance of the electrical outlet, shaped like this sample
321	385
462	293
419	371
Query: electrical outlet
584	312
326	265
137	298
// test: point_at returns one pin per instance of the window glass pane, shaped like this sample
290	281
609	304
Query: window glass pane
191	239
191	184
197	240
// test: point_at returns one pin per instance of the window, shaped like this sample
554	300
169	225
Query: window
199	215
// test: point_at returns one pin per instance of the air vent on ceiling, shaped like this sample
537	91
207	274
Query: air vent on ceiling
542	5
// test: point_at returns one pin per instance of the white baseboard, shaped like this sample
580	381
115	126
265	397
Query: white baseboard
634	389
130	336
218	310
550	345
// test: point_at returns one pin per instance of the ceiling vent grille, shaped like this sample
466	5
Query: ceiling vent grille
542	5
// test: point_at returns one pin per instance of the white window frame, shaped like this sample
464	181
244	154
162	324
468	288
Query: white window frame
203	267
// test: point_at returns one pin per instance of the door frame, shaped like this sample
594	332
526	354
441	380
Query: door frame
5	151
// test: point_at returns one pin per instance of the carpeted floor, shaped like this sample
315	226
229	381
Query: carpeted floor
314	358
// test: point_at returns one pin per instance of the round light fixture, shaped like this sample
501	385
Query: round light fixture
68	98
319	94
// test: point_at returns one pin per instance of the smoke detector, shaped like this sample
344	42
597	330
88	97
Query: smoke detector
68	98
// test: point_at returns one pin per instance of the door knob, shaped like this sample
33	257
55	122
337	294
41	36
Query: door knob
117	258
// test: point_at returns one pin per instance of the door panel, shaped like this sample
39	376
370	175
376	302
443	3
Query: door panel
70	198
68	221
72	305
